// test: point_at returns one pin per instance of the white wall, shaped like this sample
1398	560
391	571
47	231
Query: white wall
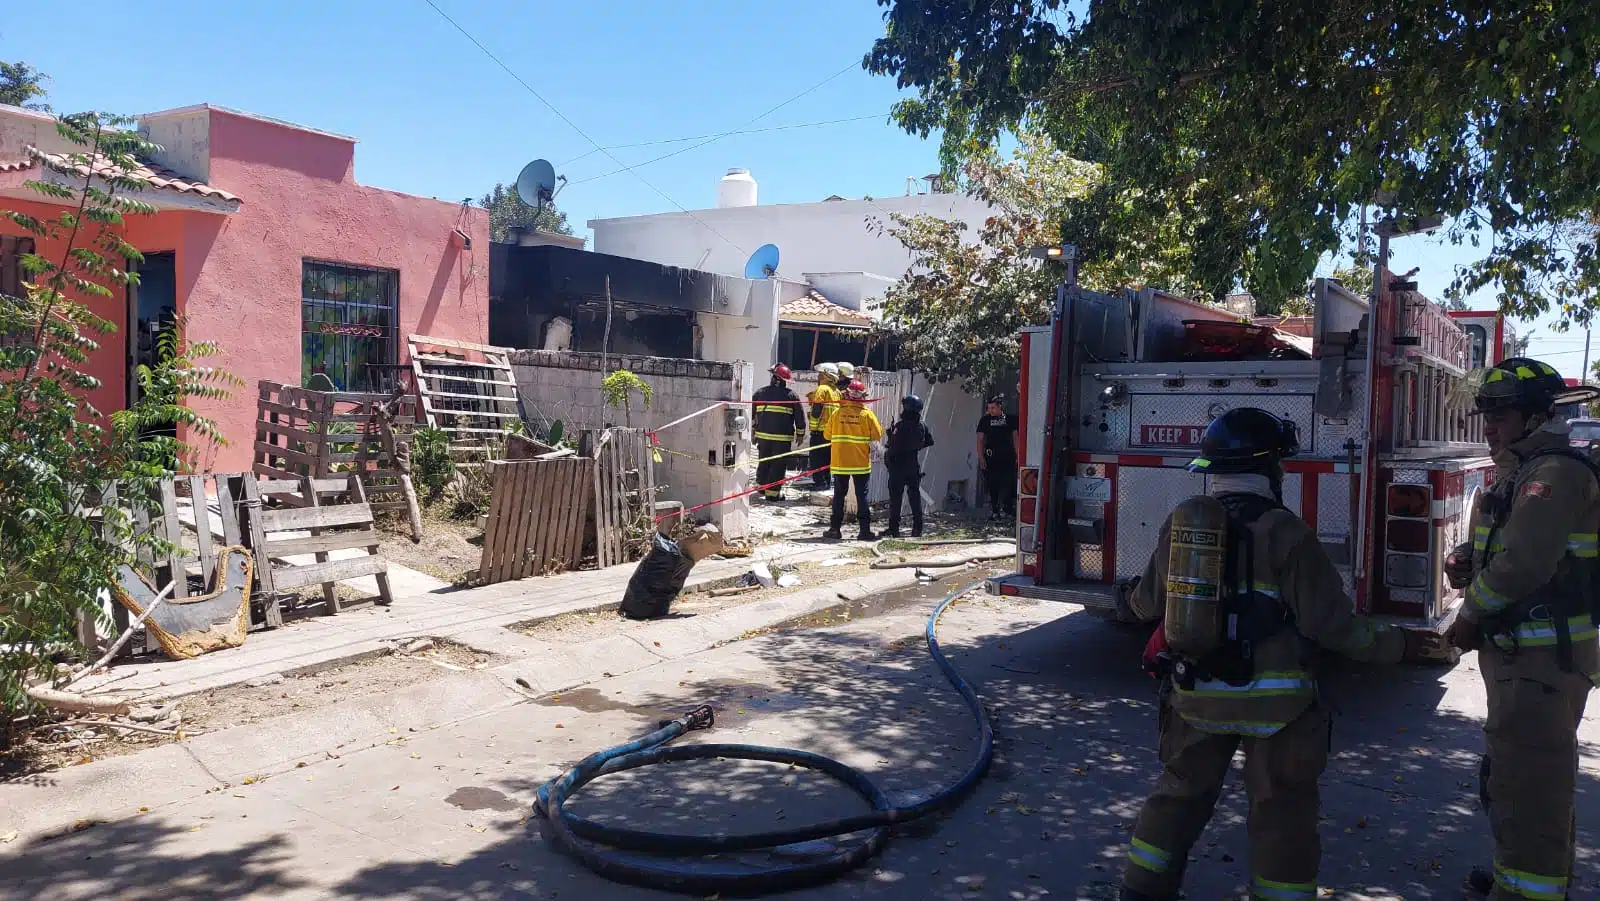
753	337
565	385
858	291
831	236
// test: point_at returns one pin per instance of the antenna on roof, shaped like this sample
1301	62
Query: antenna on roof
763	263
536	184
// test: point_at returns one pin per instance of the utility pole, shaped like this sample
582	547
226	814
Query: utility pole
1583	376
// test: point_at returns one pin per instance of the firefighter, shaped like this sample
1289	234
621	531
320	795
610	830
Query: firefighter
823	401
998	446
905	441
852	432
1245	591
779	420
1528	572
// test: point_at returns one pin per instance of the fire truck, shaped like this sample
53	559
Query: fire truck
1117	391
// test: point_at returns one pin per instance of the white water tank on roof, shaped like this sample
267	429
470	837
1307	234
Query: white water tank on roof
737	188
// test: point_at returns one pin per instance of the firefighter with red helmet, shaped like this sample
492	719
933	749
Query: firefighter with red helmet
1528	571
1244	589
779	420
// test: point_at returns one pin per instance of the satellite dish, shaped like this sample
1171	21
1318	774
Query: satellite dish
536	184
763	263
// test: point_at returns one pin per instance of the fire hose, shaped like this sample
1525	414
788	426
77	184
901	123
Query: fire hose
882	561
604	848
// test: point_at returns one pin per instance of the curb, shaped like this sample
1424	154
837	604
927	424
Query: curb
263	750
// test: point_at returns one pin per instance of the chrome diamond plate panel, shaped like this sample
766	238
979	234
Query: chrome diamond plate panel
1410	477
1144	498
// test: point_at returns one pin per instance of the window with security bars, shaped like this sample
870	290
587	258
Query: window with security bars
12	275
349	326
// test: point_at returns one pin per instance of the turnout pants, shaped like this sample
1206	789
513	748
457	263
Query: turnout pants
1280	775
772	470
1531	770
909	484
820	454
841	486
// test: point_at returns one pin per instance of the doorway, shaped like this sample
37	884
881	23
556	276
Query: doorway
152	309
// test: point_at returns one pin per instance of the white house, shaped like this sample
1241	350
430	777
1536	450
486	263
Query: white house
836	259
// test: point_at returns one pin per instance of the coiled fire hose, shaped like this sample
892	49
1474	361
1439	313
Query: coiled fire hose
882	561
603	848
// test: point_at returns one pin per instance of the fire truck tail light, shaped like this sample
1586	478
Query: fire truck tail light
1028	482
1409	500
1025	538
1406	570
1027	510
1410	535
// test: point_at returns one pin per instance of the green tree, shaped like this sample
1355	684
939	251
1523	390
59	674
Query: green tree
1283	119
22	85
506	209
57	452
960	305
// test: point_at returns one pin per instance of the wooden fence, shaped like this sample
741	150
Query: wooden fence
320	434
538	513
546	516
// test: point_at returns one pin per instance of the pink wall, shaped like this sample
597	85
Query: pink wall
239	275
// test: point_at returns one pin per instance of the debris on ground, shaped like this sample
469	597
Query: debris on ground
659	577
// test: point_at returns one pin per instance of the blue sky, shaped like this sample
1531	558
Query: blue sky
437	117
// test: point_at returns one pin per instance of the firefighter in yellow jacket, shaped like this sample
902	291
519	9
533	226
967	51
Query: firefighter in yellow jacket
824	400
1245	593
852	431
1528	571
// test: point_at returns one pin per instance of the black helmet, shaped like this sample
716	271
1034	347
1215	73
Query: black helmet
1521	384
911	404
1245	440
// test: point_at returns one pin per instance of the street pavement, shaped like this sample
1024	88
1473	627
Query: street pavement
444	813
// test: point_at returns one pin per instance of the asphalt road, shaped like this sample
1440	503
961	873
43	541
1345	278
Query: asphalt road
444	814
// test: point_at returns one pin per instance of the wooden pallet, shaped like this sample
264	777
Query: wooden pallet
343	525
301	433
469	391
624	490
538	513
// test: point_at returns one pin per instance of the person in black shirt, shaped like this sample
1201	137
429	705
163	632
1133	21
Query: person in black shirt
997	457
905	441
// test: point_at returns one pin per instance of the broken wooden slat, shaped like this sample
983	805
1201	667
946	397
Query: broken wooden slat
330	571
202	527
315	517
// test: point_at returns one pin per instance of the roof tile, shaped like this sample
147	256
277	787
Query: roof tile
813	307
157	177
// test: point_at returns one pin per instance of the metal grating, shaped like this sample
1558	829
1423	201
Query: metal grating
349	325
1292	494
1144	498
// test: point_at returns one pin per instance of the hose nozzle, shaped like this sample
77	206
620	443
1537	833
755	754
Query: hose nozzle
702	717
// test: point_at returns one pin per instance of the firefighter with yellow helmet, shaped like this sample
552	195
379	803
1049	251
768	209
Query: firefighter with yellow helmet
1245	592
1528	571
824	399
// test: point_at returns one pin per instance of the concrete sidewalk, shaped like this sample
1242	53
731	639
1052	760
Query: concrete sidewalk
444	613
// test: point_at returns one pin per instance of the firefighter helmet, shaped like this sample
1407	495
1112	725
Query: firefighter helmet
829	371
782	371
1245	439
855	391
847	371
911	404
1521	384
1195	556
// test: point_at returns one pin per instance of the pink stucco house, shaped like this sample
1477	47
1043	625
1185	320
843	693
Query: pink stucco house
266	243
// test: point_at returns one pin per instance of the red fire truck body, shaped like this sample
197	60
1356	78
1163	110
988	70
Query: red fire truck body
1117	391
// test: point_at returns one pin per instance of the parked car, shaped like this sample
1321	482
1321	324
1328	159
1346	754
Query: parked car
1585	432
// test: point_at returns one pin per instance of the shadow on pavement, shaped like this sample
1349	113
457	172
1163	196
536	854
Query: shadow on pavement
1076	725
133	860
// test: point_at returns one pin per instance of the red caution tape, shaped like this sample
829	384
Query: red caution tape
731	497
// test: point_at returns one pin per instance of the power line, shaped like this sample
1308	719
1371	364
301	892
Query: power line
574	126
725	134
717	137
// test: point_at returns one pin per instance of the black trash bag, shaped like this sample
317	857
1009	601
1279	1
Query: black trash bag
656	581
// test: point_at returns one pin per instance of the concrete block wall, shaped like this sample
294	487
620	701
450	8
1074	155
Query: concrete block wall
566	386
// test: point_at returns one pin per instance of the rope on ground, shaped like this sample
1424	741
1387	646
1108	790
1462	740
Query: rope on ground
612	851
883	561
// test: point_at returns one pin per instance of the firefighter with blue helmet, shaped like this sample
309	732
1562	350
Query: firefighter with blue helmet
1244	592
1528	570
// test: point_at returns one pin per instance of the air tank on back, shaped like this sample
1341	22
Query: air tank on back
737	188
1195	563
